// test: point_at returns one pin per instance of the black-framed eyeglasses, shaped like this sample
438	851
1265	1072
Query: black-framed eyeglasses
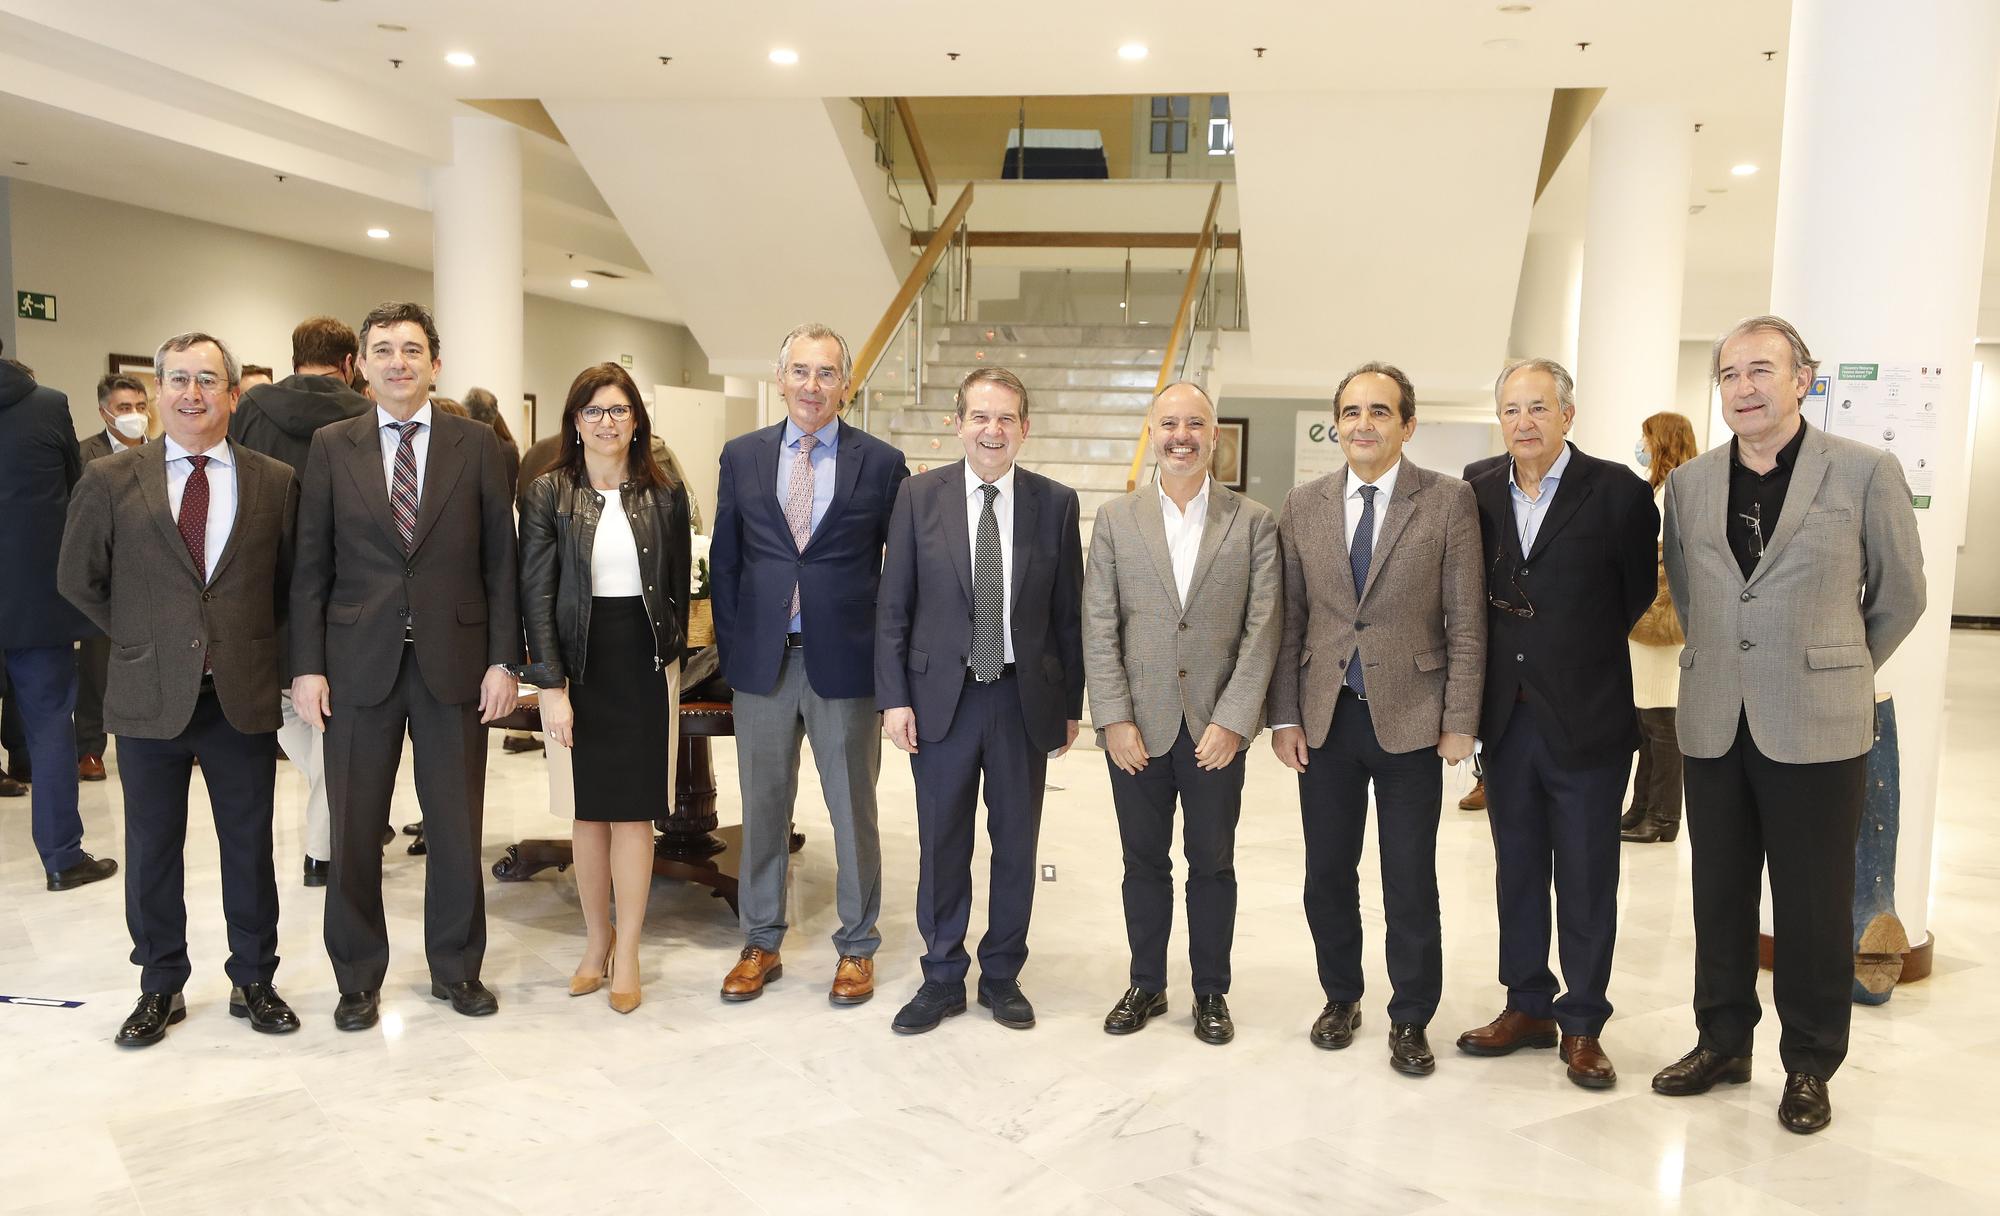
1514	600
596	413
1753	519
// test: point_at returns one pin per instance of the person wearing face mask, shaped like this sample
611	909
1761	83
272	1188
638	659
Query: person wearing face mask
605	560
1666	442
1183	578
121	403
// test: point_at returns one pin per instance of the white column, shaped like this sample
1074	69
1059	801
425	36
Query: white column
1634	261
1882	197
1550	300
476	264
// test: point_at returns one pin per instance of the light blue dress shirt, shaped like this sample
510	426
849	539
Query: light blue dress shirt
822	467
1529	512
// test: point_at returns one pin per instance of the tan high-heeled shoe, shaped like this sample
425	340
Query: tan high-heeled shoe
624	1002
580	985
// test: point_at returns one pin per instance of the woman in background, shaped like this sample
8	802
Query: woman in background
1666	442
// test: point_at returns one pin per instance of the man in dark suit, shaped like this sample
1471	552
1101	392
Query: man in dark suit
801	513
181	552
38	628
121	403
1377	678
979	673
1569	557
404	615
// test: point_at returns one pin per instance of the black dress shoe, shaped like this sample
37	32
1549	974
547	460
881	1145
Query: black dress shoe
150	1018
1805	1107
357	1010
469	997
1334	1028
10	788
1134	1010
389	836
89	870
1410	1051
264	1008
316	871
1699	1071
1009	1004
935	1001
1631	819
417	846
1211	1018
1653	830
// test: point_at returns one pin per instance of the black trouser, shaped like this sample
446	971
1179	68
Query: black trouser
364	749
987	739
1747	812
1333	801
1552	821
1211	801
1656	787
93	665
240	771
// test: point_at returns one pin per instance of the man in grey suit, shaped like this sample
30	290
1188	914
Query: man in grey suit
121	403
1378	675
1796	570
1181	618
180	552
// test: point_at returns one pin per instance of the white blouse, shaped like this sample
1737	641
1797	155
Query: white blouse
614	554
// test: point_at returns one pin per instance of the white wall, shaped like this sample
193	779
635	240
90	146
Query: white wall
126	278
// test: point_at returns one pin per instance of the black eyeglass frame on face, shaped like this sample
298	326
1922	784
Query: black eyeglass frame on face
595	413
1526	608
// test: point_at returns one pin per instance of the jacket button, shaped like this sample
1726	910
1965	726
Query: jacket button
1183	673
1524	572
1745	644
1746	597
206	596
1520	658
1360	625
195	645
1183	626
1343	664
645	550
409	572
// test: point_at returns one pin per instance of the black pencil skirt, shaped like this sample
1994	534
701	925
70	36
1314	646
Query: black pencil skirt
622	763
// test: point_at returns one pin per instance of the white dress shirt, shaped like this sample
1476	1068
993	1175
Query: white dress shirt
1386	490
1184	535
221	472
1003	514
614	552
392	439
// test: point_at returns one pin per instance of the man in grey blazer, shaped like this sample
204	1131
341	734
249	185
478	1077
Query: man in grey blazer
1379	673
121	403
1796	570
180	551
1181	617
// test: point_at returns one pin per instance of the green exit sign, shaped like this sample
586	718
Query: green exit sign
34	306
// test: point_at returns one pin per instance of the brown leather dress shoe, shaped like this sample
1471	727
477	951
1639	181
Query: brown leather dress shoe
1588	1065
754	967
90	768
853	980
1509	1033
1475	800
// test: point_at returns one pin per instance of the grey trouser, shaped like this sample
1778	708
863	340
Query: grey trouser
306	749
847	746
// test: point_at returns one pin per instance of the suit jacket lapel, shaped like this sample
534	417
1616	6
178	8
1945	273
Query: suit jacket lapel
1807	474
770	447
1495	496
442	465
1400	508
1153	536
249	492
1343	580
1570	493
847	460
364	465
1222	507
151	470
1027	513
1708	503
957	533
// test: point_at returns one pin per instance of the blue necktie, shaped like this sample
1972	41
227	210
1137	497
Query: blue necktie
1359	554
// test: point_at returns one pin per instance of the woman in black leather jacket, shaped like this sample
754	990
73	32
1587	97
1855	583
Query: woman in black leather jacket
604	598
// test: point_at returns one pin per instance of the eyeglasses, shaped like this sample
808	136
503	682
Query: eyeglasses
1753	519
825	377
596	413
1516	600
208	382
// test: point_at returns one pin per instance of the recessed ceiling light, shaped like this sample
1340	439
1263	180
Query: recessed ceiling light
1515	10
460	59
579	284
784	56
1502	44
378	234
1145	322
1132	50
391	27
1742	170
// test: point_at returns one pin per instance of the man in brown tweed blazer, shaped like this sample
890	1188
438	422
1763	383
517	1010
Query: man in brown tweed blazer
1378	675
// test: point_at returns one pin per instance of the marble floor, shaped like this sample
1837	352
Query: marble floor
789	1105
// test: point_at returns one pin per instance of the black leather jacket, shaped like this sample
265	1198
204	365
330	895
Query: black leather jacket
558	526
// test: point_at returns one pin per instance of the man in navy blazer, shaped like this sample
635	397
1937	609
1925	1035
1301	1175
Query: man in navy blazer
801	512
979	672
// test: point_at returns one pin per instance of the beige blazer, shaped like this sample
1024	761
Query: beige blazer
1156	662
1420	621
1794	647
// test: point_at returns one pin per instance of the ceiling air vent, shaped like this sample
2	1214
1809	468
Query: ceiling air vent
607	274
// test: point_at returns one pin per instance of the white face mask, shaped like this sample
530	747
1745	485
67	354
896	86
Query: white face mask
1642	454
132	426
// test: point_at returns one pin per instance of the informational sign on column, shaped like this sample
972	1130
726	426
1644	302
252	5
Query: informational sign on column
1895	407
1315	446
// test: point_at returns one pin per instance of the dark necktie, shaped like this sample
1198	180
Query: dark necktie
403	487
193	522
989	595
1359	554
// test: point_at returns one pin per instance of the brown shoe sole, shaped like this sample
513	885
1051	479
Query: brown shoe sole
758	991
858	998
1539	1040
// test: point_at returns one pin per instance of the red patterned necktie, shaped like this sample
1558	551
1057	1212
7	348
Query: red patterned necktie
799	502
193	522
403	490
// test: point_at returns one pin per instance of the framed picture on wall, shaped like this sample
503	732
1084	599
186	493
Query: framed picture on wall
1232	442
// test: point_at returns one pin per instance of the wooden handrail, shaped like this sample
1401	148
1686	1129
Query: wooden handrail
1183	318
909	122
1089	240
885	329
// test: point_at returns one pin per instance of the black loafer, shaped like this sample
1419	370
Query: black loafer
935	1001
265	1010
316	871
1134	1010
357	1010
1805	1107
1410	1051
150	1018
1699	1071
1010	1007
1334	1028
89	870
1211	1018
468	997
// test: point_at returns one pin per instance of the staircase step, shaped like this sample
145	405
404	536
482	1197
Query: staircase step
1050	335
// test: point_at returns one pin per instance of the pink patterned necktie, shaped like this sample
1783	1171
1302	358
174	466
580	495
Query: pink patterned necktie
799	504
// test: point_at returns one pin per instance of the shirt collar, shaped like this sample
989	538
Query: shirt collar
1005	482
422	417
1198	502
1787	455
1386	483
219	454
1555	472
828	435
